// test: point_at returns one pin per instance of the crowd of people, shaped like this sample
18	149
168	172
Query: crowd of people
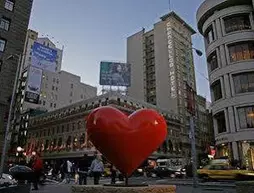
67	170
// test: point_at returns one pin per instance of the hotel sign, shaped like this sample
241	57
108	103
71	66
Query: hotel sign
171	61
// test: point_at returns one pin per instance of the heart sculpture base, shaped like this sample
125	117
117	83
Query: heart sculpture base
126	185
110	189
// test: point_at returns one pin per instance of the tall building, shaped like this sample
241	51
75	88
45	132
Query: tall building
227	27
13	26
205	135
56	88
33	36
162	65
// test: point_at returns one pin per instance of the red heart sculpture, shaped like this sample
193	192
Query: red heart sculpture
126	141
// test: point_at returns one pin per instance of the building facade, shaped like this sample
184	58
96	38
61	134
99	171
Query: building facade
162	65
13	26
227	27
58	88
62	133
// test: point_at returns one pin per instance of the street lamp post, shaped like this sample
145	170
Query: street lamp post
13	97
192	126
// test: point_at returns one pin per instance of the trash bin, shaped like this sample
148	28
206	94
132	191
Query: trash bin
24	175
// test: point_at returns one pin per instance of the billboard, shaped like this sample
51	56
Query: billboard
115	74
33	86
44	57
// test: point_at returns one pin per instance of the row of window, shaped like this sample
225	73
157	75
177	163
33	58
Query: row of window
233	23
5	23
243	83
57	130
245	115
239	51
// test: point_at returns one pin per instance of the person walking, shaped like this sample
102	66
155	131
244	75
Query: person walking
97	168
113	172
69	171
83	167
37	167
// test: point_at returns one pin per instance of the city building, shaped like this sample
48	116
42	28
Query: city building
205	134
61	133
58	88
162	67
13	26
227	27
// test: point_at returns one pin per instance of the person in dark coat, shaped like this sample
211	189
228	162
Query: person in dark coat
113	172
83	167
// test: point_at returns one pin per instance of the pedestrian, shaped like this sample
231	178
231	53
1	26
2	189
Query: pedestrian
83	167
113	172
68	171
97	168
37	167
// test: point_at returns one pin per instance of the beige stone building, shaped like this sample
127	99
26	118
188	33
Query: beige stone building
62	134
228	30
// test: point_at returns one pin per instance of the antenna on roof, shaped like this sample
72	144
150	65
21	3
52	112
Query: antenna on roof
169	5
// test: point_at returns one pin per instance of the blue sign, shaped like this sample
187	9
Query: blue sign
115	74
44	57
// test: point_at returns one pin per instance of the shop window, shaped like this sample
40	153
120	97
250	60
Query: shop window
244	82
221	122
237	23
209	35
212	61
216	90
241	51
246	117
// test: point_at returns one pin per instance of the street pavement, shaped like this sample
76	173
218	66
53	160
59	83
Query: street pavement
183	185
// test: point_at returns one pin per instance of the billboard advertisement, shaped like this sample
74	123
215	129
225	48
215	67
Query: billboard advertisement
33	86
115	74
44	57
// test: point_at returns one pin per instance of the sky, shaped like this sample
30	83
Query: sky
96	30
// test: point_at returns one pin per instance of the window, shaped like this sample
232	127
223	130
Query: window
9	5
71	94
53	88
244	82
5	23
2	44
237	23
57	81
54	80
44	103
56	88
246	117
212	61
82	96
216	90
209	35
241	51
221	122
71	85
51	104
55	105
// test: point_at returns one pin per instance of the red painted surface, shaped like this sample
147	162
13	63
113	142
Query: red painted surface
126	141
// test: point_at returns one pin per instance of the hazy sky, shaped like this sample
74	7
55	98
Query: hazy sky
95	30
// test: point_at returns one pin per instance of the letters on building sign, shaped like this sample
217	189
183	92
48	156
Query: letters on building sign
171	61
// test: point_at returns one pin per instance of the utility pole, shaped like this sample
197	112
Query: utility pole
192	117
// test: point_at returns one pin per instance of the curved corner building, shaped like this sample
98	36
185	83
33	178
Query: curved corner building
228	30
